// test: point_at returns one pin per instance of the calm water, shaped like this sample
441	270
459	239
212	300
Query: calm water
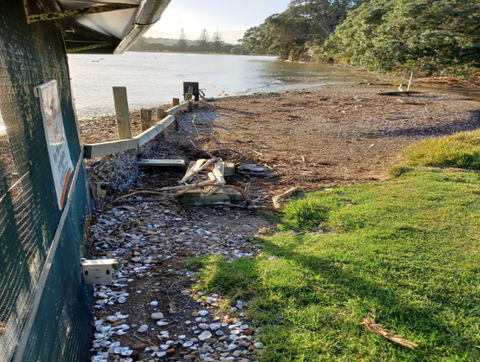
155	78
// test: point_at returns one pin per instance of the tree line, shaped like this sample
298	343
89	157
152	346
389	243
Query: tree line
204	44
428	36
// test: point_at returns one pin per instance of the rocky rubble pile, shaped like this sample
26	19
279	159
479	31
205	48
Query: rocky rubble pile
150	312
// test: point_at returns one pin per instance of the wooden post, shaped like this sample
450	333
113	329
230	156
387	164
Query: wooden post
146	118
122	113
161	114
189	94
176	102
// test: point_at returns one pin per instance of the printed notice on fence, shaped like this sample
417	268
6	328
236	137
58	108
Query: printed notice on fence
60	160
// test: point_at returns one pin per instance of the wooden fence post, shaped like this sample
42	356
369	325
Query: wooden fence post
189	94
122	113
176	102
161	114
146	118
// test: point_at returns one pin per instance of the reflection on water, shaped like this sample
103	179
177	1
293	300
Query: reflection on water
155	78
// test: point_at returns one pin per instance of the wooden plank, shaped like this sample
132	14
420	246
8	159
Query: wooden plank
219	176
161	163
108	148
150	133
146	118
125	144
189	94
122	113
191	171
178	108
218	172
204	166
175	102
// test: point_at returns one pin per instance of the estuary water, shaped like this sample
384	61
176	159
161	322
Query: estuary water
155	78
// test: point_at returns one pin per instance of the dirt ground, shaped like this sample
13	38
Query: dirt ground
316	138
338	135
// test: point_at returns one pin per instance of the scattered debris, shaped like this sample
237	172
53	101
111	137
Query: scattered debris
377	328
276	199
161	163
251	167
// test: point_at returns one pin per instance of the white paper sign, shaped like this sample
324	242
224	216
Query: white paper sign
58	151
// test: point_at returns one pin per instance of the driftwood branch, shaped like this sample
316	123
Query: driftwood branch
200	149
151	192
244	206
145	341
276	199
239	189
377	328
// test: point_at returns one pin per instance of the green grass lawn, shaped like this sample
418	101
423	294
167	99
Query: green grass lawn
405	252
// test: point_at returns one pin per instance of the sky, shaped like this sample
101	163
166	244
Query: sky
231	17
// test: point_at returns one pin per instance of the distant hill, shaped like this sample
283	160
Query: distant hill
166	41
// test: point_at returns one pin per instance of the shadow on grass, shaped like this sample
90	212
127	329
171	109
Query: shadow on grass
310	307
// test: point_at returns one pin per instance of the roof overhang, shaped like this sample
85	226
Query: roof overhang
102	26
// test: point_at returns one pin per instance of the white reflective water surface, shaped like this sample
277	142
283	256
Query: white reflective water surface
155	78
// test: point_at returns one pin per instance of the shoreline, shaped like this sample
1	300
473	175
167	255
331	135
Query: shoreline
441	84
334	135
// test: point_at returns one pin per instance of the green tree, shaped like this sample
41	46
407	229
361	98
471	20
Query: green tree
305	24
204	41
284	34
239	50
423	36
324	15
217	42
182	41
